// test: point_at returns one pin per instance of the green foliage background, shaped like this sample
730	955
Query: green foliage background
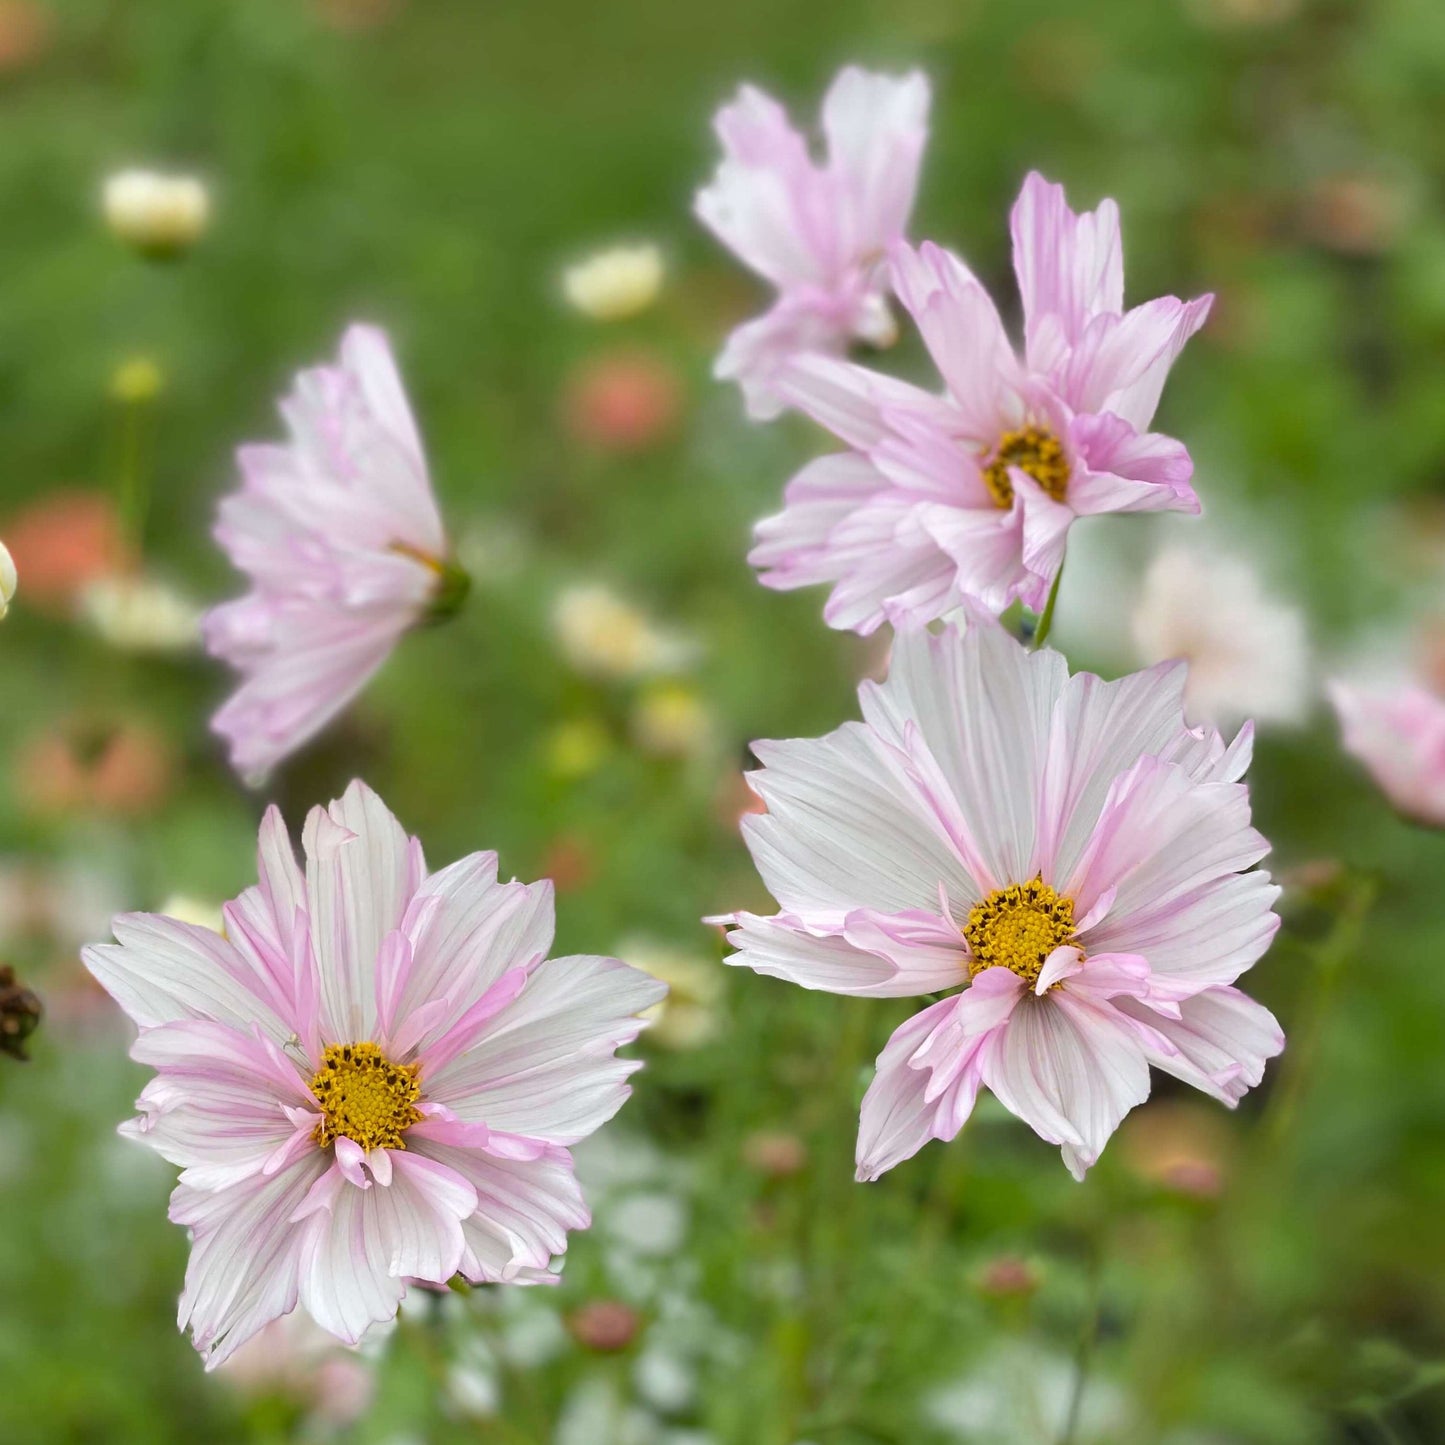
433	172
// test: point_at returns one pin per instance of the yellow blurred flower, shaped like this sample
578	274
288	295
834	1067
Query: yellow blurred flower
8	579
604	636
137	380
577	748
158	214
691	1014
672	720
614	284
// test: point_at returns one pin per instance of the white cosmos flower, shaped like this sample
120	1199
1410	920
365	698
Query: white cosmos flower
1248	652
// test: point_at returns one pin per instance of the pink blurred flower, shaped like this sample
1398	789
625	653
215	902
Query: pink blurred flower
372	1077
623	400
339	532
819	233
293	1356
972	493
1397	730
1064	851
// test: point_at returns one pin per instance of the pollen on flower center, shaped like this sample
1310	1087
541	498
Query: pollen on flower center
365	1097
1031	449
1017	928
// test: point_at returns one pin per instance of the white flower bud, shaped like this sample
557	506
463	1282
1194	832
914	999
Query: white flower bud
159	215
612	285
7	579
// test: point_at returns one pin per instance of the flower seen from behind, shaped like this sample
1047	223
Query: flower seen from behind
340	536
372	1077
1062	855
818	232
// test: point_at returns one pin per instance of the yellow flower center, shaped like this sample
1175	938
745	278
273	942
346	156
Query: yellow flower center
1032	449
1017	928
365	1097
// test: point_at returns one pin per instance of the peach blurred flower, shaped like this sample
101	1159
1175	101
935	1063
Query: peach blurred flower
24	34
623	401
84	765
62	542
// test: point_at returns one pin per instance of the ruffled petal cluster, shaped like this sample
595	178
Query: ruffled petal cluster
970	494
339	533
511	1057
818	232
980	771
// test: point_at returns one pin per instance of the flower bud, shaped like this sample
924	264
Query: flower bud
20	1014
614	284
7	579
604	1325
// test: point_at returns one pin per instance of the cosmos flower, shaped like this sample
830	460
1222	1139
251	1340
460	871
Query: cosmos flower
1396	728
159	215
818	233
614	284
339	532
372	1077
1061	854
1247	652
971	494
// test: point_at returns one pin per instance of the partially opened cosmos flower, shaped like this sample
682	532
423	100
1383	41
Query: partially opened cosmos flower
819	233
372	1077
340	535
970	494
1062	851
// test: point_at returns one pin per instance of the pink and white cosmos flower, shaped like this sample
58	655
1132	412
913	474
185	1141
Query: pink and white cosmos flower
339	533
819	233
372	1077
1062	854
1397	730
970	494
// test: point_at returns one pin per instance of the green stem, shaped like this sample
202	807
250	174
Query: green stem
1083	1363
1046	618
132	480
1337	949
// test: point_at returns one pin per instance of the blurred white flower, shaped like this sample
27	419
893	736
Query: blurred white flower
8	579
672	721
141	614
604	636
158	214
1248	653
1024	1391
614	284
689	1016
